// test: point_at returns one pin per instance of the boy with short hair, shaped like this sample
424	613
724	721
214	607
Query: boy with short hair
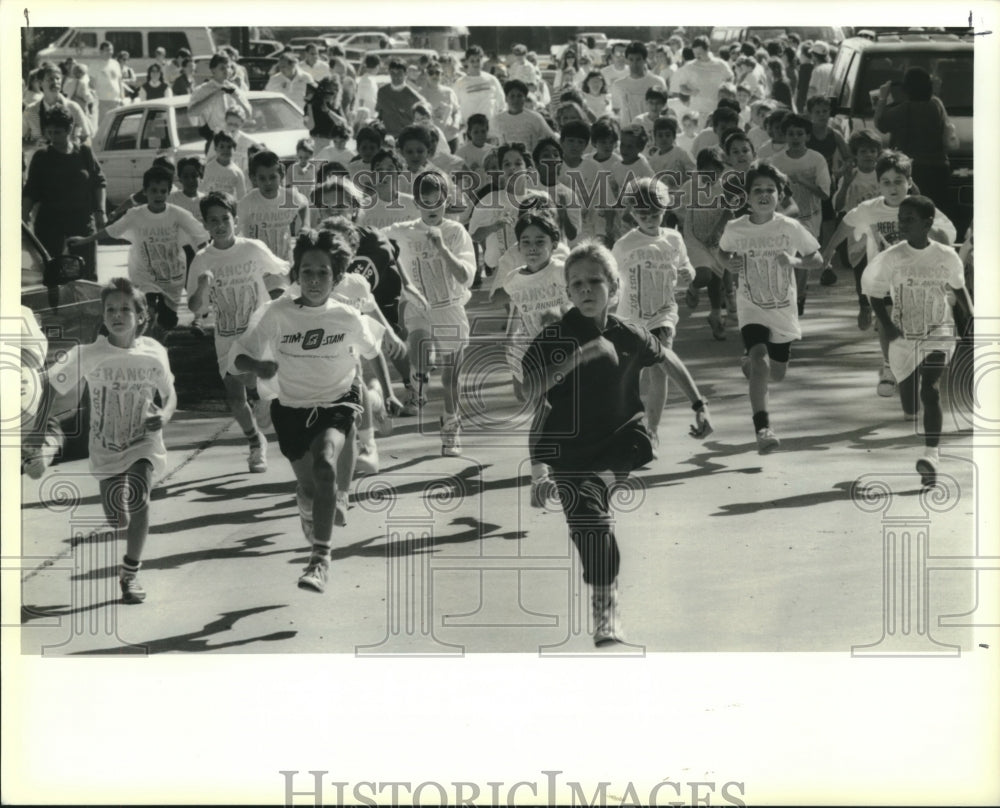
222	173
270	213
517	124
666	157
302	174
772	125
235	276
689	132
156	264
368	141
656	101
767	249
337	151
877	221
919	276
476	147
599	190
590	418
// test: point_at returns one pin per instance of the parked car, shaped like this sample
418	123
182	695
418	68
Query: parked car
264	47
130	137
728	34
408	55
323	43
141	43
863	65
366	40
69	311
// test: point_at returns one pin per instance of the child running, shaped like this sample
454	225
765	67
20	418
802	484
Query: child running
766	248
132	397
235	276
919	276
437	253
308	345
651	260
590	418
271	213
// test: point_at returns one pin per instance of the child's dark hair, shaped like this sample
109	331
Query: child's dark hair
266	159
217	199
727	103
477	119
369	134
776	119
324	241
129	289
813	100
541	218
589	76
656	93
157	174
344	228
306	144
549	142
193	160
223	137
577	129
647	193
167	162
638	131
733	137
637	48
58	116
387	154
520	148
863	137
514	84
217	59
725	117
796	121
339	130
922	206
665	125
431	180
415	131
762	168
893	160
341	181
710	159
604	128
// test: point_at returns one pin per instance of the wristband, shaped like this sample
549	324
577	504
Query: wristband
698	405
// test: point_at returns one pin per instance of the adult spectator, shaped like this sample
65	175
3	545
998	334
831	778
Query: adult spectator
313	65
618	69
185	83
128	74
290	80
395	100
49	82
819	79
160	58
154	87
445	111
520	68
210	101
237	73
367	87
65	190
628	95
918	126
324	115
805	73
702	77
479	92
791	62
348	77
107	81
172	69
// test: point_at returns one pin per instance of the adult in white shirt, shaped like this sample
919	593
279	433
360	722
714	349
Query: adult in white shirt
108	84
478	92
819	79
212	100
618	69
367	87
313	65
520	68
628	95
702	77
290	80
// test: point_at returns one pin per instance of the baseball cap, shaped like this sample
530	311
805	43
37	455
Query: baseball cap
820	48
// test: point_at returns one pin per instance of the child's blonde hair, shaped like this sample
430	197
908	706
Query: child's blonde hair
136	297
594	251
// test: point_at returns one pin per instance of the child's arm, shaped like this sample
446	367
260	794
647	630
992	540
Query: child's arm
395	347
963	301
840	199
199	297
888	328
677	371
80	241
811	261
839	235
262	368
461	270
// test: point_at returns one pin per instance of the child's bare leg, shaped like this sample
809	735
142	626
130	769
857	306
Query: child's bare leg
760	375
236	398
140	478
658	381
419	344
449	380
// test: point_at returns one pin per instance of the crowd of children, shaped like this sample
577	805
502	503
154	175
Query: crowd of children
322	273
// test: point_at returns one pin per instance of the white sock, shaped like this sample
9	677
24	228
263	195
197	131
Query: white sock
366	438
932	453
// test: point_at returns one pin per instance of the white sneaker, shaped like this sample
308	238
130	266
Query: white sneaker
367	460
451	443
767	440
314	578
886	382
258	455
607	621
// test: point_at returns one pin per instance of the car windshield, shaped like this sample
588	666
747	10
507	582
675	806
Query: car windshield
952	74
269	115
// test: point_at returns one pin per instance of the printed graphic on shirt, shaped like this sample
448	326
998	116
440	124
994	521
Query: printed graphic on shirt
764	280
119	398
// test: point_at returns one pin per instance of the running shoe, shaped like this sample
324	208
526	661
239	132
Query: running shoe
451	443
132	591
380	415
767	440
886	382
927	468
828	277
864	318
413	402
542	490
717	326
367	461
607	620
314	578
257	461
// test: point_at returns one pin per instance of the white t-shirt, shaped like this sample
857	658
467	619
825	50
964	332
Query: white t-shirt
189	203
382	214
769	149
271	220
863	186
596	186
318	71
767	291
810	166
527	127
426	266
229	179
475	158
538	297
628	95
490	209
352	290
242	276
121	383
703	80
156	262
294	88
482	94
316	348
877	223
612	74
650	269
676	161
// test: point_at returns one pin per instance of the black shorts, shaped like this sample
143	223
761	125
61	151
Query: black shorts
297	427
159	309
755	334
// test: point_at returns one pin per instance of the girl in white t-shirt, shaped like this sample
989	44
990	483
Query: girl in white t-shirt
766	248
304	349
131	390
538	297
